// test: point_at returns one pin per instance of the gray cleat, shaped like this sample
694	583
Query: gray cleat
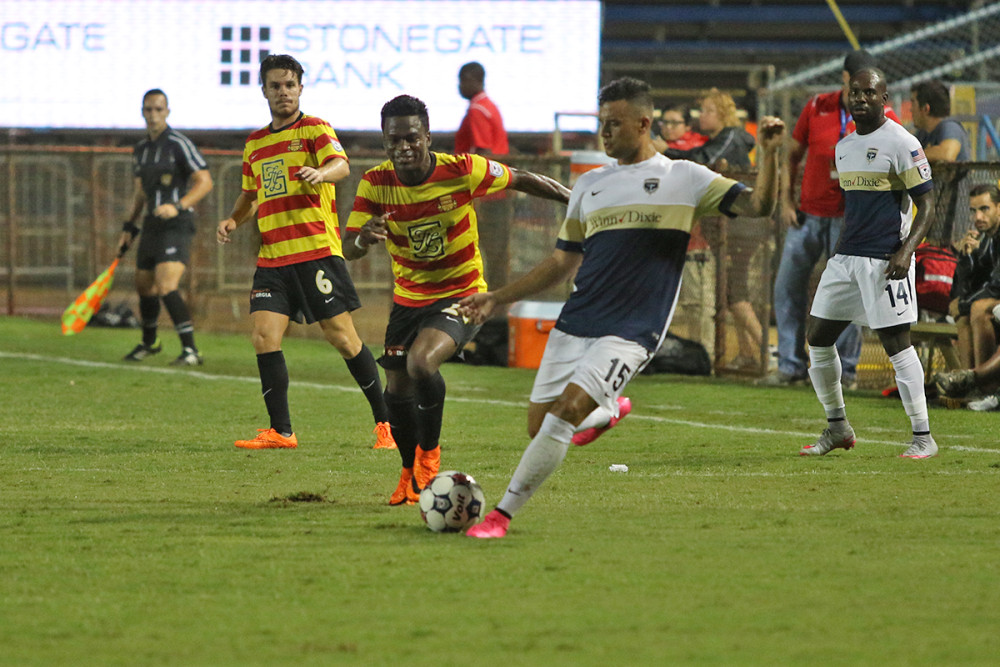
829	441
922	447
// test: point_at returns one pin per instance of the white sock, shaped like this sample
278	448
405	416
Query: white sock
599	418
546	451
824	372
910	381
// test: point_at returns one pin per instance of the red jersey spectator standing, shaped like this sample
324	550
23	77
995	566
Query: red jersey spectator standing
814	225
482	129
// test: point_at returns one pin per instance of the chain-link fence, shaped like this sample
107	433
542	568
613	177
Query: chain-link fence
62	211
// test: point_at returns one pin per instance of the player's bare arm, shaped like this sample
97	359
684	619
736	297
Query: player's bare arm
538	185
899	263
243	210
787	210
334	171
556	269
201	185
138	203
374	231
760	201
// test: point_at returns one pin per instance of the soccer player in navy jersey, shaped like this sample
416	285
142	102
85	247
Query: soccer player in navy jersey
625	239
884	173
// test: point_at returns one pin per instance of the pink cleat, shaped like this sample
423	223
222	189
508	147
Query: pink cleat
588	435
494	525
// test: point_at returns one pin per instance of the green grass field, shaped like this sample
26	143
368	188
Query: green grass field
132	532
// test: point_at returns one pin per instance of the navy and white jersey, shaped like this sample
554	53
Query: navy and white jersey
165	167
632	224
879	171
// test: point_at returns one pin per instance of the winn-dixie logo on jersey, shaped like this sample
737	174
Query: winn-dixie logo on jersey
625	218
861	182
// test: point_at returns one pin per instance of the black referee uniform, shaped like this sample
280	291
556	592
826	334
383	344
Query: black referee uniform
164	167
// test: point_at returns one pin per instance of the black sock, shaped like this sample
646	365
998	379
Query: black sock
403	420
430	409
181	316
365	372
149	311
274	386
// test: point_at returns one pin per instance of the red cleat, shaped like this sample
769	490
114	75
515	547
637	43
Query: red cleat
494	525
588	435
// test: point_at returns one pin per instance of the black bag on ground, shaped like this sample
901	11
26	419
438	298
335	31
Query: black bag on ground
489	347
120	316
680	355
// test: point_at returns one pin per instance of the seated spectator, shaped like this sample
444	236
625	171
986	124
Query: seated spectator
728	145
676	132
984	377
976	286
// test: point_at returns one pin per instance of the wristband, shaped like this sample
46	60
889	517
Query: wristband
357	243
130	227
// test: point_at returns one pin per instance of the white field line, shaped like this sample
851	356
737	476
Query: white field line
458	399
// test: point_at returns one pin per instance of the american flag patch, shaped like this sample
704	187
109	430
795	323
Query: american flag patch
918	154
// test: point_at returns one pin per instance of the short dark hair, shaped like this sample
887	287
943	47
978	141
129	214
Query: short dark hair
475	70
683	109
155	91
629	89
405	105
855	61
990	189
934	94
280	61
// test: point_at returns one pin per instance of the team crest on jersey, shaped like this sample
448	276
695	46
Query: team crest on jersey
295	145
496	170
651	185
272	176
870	155
166	180
447	203
336	146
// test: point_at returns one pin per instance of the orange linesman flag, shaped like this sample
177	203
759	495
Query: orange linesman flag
75	317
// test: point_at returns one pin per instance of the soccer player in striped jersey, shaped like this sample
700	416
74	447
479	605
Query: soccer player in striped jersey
624	239
171	177
419	203
884	173
289	168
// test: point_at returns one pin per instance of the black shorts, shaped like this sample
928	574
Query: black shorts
164	241
405	322
307	292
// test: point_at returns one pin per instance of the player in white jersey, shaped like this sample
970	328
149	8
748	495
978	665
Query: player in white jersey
870	279
624	238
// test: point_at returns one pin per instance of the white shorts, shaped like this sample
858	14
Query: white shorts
855	289
602	367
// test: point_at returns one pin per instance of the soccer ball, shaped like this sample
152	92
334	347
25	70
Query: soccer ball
451	502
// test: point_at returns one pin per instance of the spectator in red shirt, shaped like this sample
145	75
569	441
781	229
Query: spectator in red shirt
482	128
814	226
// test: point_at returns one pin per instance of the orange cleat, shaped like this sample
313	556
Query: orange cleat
426	465
383	437
268	438
406	492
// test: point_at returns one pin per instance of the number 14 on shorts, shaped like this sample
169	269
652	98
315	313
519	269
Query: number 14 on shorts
899	293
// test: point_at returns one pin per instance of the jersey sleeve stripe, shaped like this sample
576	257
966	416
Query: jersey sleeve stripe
569	246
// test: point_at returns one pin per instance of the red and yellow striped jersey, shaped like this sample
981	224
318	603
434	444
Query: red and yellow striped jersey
297	220
433	234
